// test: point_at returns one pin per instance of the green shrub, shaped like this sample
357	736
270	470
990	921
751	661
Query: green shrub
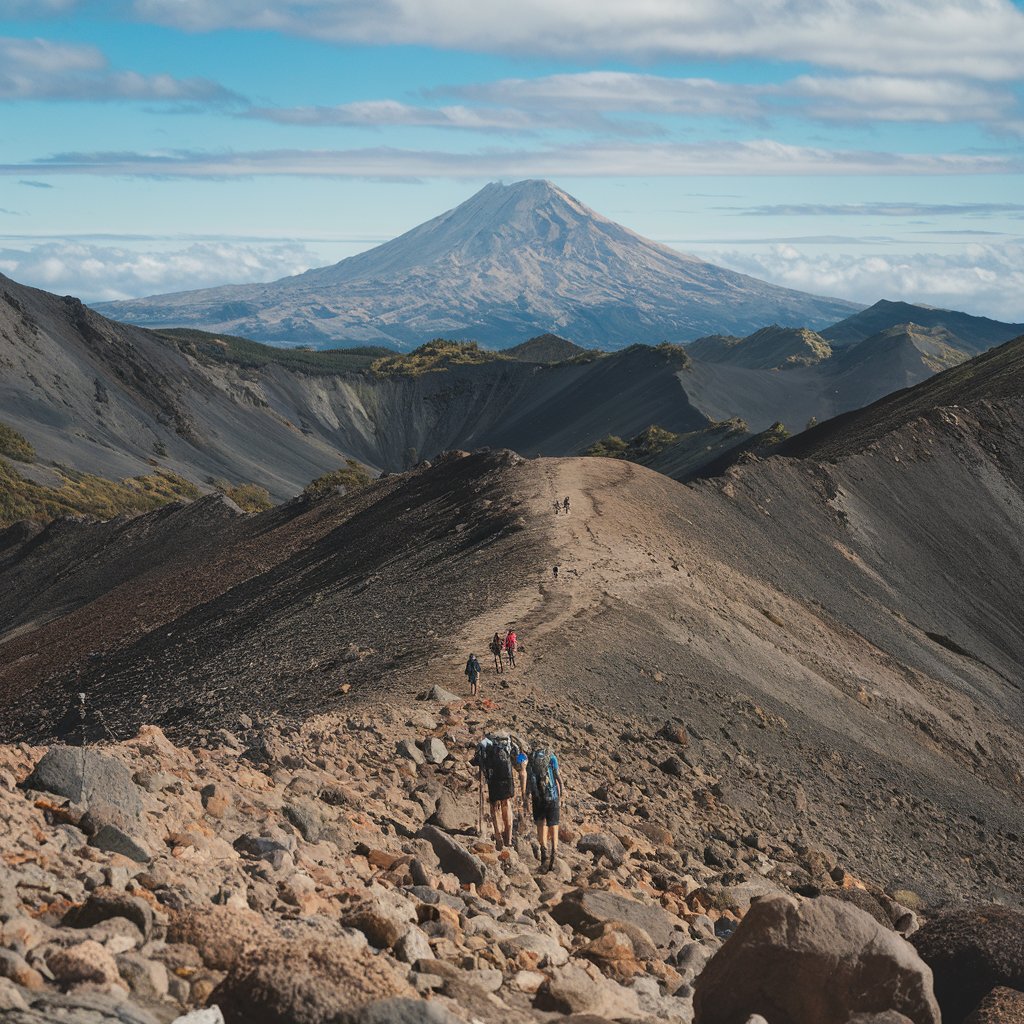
352	477
15	446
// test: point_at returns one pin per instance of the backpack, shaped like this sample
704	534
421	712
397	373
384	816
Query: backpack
499	758
540	766
495	646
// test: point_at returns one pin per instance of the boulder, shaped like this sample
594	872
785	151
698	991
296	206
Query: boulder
221	935
401	1011
1001	1006
587	910
453	857
113	839
85	776
408	749
570	989
306	981
601	844
209	1015
971	952
439	693
455	813
104	903
435	751
815	962
85	962
306	818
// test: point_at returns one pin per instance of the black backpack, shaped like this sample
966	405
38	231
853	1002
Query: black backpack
499	759
540	765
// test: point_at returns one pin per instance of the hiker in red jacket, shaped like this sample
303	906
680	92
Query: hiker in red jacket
511	643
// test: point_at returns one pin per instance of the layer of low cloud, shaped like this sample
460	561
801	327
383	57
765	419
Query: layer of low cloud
596	159
986	280
98	273
902	210
41	69
977	38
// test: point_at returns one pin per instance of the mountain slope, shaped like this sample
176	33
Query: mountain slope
972	334
841	641
853	376
511	261
771	348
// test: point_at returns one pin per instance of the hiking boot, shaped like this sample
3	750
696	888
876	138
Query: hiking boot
551	863
543	857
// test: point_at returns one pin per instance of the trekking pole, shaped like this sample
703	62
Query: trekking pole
480	808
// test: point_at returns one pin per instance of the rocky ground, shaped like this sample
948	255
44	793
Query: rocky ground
786	702
332	872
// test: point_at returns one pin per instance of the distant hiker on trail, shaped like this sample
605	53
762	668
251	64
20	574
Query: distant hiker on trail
473	671
498	756
554	571
565	504
558	508
511	645
544	786
496	648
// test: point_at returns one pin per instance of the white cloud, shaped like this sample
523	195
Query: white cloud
911	209
620	91
986	280
898	98
98	273
594	159
978	38
37	69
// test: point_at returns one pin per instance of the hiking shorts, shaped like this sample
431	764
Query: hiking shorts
546	812
500	789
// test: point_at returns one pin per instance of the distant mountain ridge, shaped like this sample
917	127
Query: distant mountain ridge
512	261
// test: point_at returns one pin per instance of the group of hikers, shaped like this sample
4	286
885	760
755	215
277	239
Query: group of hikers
507	765
502	650
562	506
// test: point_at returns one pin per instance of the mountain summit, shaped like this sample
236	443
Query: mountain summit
510	262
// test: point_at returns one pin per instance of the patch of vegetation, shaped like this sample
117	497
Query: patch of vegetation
15	446
645	445
88	495
674	354
226	348
248	497
610	447
437	354
352	477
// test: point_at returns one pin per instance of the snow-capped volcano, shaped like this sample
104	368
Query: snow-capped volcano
511	262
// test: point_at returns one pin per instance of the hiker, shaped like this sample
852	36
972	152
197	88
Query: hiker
473	671
499	758
544	786
565	504
511	643
554	570
496	649
558	508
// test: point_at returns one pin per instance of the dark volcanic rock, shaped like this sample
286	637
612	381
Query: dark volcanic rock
821	961
970	952
84	775
1000	1006
587	911
466	866
304	982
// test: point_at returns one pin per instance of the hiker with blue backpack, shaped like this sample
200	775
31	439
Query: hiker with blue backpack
544	786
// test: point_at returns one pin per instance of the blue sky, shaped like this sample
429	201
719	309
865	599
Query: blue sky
859	148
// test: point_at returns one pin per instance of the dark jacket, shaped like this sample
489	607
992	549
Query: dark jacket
472	668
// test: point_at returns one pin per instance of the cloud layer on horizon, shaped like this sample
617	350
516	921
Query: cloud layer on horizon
981	279
752	157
